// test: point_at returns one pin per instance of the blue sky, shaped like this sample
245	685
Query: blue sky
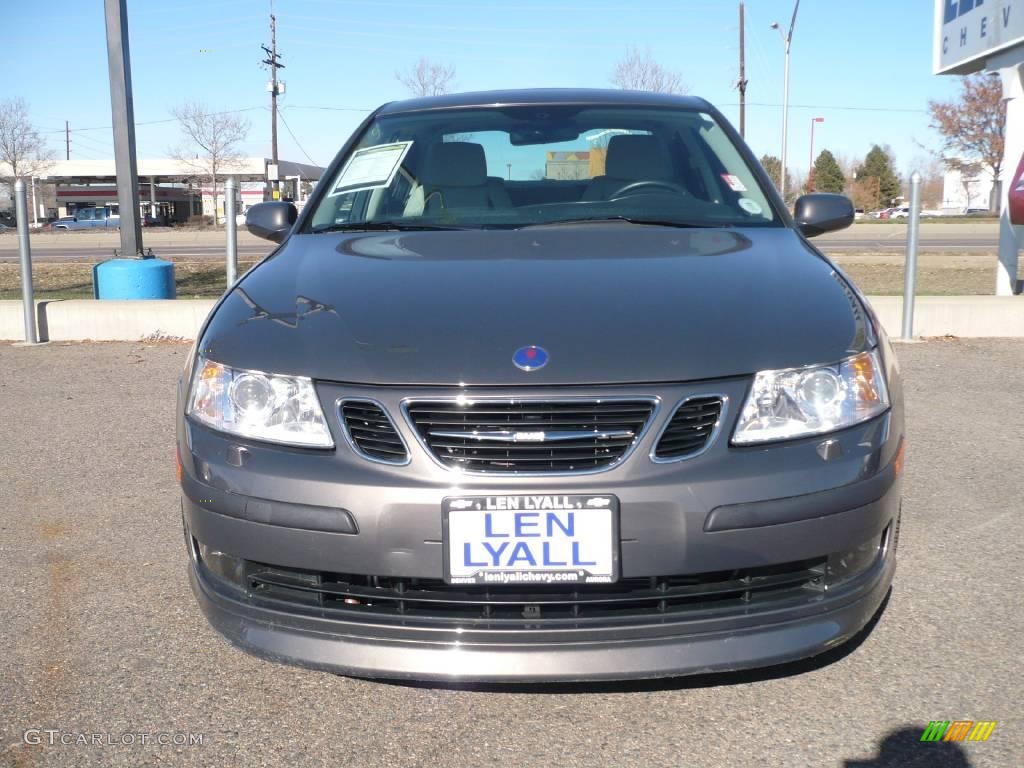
863	65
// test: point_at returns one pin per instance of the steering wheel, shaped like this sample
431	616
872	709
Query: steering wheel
633	186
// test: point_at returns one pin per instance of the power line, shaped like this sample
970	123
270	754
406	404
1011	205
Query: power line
98	143
84	155
290	133
150	9
526	8
156	122
331	109
831	106
456	40
389	24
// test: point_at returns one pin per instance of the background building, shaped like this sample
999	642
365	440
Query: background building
169	191
963	190
582	164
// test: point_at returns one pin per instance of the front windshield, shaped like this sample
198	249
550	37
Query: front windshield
537	165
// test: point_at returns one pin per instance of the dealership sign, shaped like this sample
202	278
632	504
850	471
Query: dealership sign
967	32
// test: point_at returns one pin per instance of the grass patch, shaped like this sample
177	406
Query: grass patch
927	220
194	280
887	280
200	280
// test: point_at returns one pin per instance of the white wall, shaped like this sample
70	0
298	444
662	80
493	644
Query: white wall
960	196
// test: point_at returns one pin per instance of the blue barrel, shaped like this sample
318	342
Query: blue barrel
134	279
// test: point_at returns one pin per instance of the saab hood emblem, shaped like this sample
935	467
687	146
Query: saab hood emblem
530	358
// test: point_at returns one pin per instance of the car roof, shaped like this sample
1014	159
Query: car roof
553	96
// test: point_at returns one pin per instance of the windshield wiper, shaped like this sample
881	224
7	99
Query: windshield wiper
630	220
382	226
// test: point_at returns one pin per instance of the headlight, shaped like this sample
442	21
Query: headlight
798	402
263	406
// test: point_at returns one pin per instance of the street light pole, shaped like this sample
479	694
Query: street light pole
787	39
810	172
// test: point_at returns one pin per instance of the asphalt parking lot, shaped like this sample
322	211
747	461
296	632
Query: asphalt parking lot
100	635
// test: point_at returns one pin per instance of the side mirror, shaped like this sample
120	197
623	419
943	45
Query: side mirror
272	220
820	212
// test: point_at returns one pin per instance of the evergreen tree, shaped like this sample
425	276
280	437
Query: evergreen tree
773	167
828	176
878	165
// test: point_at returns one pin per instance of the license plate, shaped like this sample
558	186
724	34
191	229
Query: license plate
531	539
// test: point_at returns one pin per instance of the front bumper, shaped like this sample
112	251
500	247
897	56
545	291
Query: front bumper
703	642
726	509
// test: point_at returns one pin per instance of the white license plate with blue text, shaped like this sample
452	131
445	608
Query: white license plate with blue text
531	539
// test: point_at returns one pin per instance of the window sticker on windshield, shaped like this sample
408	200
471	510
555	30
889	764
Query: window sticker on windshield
734	182
371	167
750	206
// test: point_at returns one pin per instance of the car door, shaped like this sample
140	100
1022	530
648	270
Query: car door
82	220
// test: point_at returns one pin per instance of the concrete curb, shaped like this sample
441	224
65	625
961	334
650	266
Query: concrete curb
88	320
975	316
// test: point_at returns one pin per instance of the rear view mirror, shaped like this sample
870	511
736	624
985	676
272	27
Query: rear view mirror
272	220
549	134
821	212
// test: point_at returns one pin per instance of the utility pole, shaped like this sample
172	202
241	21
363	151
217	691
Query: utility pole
787	39
810	173
272	62
123	114
67	141
742	82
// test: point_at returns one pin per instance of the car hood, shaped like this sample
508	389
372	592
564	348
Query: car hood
610	304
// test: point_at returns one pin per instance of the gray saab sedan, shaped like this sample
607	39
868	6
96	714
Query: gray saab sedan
542	385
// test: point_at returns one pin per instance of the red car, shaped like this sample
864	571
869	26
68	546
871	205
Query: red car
1017	195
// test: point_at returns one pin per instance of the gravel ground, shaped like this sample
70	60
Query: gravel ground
101	635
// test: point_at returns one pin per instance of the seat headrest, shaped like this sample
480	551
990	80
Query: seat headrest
454	164
637	157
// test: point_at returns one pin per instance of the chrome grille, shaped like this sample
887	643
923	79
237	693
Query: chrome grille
371	433
534	436
690	429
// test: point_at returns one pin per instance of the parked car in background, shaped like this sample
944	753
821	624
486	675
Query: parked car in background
1017	195
584	417
89	218
5	228
900	213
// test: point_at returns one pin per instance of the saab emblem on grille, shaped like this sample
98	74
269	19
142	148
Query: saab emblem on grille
530	358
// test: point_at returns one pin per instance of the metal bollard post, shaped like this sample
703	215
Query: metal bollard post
910	273
27	297
231	230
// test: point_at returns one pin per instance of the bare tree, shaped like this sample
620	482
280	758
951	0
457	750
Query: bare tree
639	71
23	152
427	78
933	178
865	193
973	126
211	142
